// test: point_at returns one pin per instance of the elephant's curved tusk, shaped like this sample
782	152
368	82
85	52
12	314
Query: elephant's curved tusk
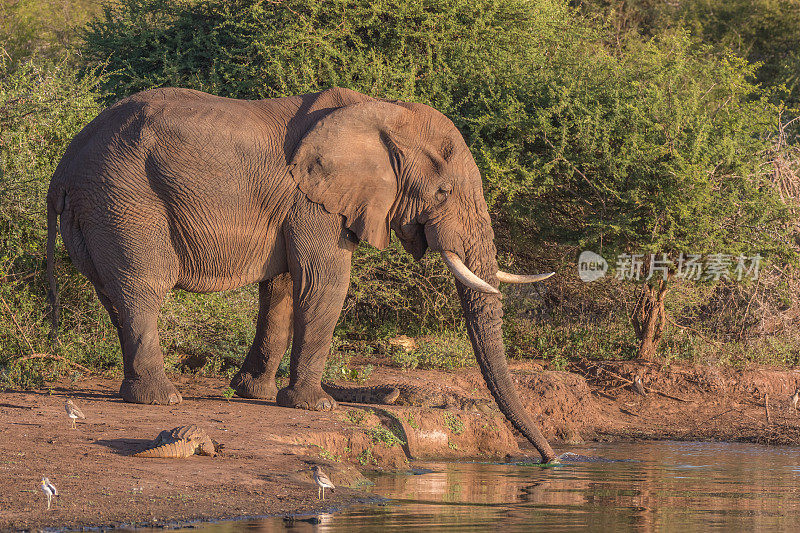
505	277
465	275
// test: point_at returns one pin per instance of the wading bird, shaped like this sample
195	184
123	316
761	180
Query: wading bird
73	412
323	481
49	490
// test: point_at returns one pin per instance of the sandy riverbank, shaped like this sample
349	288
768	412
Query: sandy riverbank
269	449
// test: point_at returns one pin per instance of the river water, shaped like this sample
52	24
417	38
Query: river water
641	486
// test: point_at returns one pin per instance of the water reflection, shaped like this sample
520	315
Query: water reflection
657	486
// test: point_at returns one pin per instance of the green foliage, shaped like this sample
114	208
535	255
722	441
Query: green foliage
407	360
209	326
382	435
658	149
389	290
285	365
446	351
357	416
766	32
763	31
560	340
45	28
253	48
339	366
453	423
366	457
326	454
42	105
225	321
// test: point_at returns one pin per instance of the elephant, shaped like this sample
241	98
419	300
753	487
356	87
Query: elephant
175	188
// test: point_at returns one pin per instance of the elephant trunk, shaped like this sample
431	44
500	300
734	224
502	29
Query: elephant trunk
483	314
484	320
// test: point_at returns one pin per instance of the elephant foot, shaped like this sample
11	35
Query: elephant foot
154	390
248	386
311	398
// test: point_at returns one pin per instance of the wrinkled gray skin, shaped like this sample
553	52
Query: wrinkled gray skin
177	188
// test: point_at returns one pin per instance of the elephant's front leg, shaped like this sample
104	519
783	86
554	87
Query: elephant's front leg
256	379
319	261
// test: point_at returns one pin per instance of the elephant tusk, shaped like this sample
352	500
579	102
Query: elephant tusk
465	275
505	277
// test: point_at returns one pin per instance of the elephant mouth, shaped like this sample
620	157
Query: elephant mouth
412	237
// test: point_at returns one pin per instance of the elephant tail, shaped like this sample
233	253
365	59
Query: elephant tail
54	202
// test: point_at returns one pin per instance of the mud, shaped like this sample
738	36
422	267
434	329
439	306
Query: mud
265	469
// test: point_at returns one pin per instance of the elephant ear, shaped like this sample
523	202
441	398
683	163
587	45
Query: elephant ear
347	162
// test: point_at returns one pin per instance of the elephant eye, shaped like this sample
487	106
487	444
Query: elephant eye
443	192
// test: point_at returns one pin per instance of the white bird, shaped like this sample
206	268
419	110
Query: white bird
795	398
49	490
73	412
323	481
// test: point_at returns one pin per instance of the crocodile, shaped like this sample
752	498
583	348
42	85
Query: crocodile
411	395
183	441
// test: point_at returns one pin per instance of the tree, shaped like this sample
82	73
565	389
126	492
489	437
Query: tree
659	149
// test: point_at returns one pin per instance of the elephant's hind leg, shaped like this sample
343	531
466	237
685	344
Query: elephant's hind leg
145	380
256	379
134	271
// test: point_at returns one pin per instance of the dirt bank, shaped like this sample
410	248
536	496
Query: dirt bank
268	449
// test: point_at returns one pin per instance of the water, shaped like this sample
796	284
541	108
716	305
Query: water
644	486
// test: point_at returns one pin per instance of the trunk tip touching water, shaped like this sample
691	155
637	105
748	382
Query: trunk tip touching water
483	314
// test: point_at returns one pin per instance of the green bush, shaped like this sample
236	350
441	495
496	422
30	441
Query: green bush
448	350
660	148
390	292
765	32
42	28
42	105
